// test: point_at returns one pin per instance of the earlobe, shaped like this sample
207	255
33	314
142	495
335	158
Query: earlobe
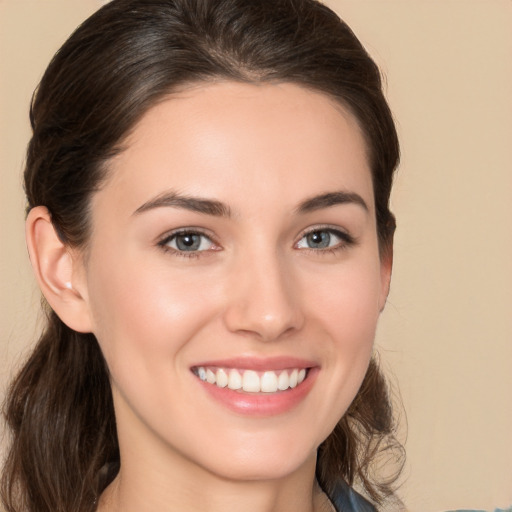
56	268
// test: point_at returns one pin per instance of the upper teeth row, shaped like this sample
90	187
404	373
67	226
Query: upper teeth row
249	380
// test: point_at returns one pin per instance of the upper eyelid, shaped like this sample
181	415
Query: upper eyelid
346	239
164	243
180	231
325	227
336	230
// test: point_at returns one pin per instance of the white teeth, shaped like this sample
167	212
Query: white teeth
293	378
222	378
235	380
269	382
250	380
283	382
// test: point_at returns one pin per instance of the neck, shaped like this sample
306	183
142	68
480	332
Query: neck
156	475
144	488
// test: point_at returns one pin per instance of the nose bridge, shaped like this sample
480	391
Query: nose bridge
262	299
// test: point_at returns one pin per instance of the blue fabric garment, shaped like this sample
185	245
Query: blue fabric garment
346	499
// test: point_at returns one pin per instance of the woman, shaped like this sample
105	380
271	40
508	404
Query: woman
208	186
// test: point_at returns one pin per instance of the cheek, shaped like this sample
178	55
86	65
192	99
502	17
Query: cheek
142	311
348	303
346	309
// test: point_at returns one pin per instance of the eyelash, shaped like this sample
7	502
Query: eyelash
346	241
163	244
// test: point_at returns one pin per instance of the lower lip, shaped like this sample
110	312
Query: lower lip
261	404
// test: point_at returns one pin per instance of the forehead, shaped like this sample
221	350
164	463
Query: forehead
231	140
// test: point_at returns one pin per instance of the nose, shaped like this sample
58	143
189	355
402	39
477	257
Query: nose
263	300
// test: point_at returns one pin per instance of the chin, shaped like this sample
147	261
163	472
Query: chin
259	461
270	468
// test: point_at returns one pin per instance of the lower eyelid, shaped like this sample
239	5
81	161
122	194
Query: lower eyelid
165	240
345	240
344	237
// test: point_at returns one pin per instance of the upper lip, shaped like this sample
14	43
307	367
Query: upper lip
259	363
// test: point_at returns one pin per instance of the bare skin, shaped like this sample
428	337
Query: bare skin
238	225
253	497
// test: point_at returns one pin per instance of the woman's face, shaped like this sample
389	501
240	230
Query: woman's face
234	243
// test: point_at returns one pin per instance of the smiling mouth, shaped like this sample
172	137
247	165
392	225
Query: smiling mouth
250	381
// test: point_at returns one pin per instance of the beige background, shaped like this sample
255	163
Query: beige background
446	335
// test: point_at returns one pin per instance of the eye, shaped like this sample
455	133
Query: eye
324	239
187	241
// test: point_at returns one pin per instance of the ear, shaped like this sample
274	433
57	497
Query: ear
58	269
386	266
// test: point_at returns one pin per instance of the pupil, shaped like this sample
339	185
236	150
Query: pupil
187	242
319	239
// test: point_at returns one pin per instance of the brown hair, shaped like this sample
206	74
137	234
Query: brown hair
121	61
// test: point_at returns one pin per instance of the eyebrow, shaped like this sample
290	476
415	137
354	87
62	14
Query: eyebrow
218	209
331	199
195	204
